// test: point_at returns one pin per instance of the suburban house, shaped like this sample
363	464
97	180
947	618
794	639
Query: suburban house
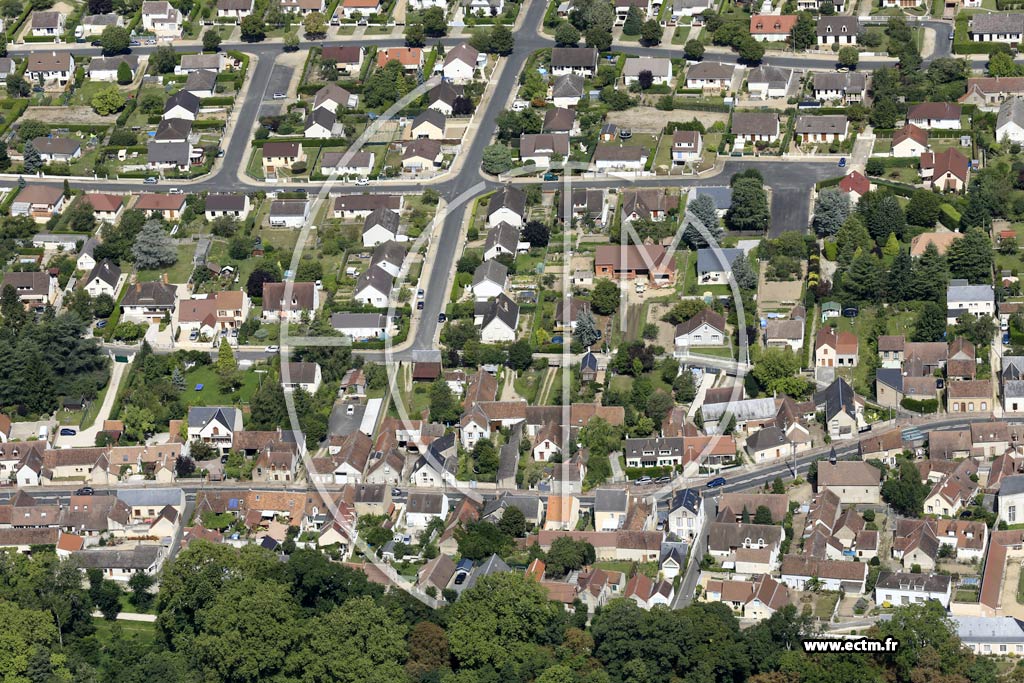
648	205
774	28
901	588
541	148
838	30
103	279
47	24
828	128
963	298
969	396
854	482
834	349
161	18
182	105
507	205
710	76
498	319
687	147
288	213
460	63
53	69
660	69
1010	121
988	92
214	425
769	82
382	225
581	61
278	154
231	205
707	328
909	141
753	127
937	115
149	302
630	262
947	171
421	155
303	299
612	157
234	9
996	28
39	202
489	280
107	208
105	68
213	314
845	88
567	90
34	289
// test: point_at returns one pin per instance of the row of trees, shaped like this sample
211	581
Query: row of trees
320	621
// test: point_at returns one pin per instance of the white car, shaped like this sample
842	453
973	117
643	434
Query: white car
350	410
272	348
362	181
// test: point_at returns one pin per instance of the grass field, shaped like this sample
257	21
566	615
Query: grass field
178	273
212	394
131	632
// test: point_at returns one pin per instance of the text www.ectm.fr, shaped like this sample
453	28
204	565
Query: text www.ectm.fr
851	645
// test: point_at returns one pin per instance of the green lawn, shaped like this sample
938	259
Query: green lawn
126	632
211	393
178	273
527	384
718	351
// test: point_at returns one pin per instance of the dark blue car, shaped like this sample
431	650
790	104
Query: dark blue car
716	482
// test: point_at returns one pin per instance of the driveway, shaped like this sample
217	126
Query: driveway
87	437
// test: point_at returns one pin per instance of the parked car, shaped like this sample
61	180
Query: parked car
441	317
362	181
842	162
419	305
273	348
643	481
663	480
101	324
150	181
1006	337
350	409
68	431
193	335
396	492
85	491
716	482
549	176
279	96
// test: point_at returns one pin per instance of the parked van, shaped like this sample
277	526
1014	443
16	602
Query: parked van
44	432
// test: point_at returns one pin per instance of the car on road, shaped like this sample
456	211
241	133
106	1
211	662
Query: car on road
716	482
643	481
549	176
842	70
85	491
842	162
273	348
419	305
663	480
441	317
151	41
396	492
175	190
134	43
68	431
350	409
1006	337
280	96
362	181
150	181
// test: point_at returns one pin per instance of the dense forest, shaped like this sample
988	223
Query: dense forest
246	616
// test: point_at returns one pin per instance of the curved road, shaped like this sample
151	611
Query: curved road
790	179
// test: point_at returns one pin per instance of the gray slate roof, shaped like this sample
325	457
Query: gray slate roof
490	271
708	260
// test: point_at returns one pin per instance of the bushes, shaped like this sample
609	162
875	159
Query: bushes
929	405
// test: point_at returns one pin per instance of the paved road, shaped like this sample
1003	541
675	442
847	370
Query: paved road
789	180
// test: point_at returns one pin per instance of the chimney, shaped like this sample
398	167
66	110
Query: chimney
163	278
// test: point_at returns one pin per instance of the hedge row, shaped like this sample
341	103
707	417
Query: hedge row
216	101
928	405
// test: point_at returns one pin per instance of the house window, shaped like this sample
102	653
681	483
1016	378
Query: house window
1011	514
